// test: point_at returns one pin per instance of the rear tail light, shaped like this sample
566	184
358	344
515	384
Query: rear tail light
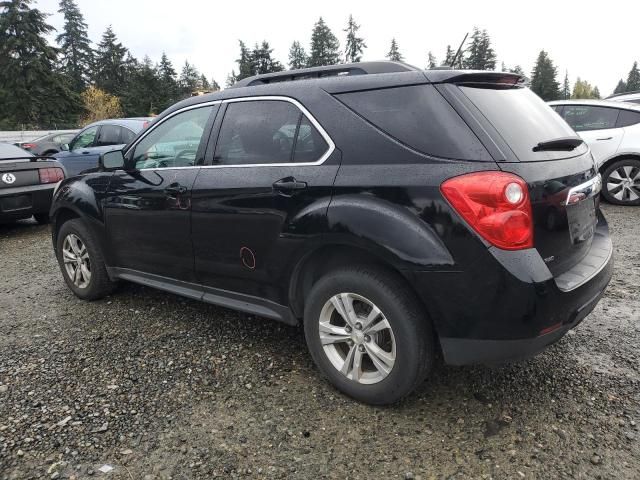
496	205
28	146
51	175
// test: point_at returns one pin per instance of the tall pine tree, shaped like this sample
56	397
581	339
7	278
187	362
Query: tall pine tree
168	85
394	53
355	45
189	79
246	65
143	89
325	47
566	89
297	56
448	57
263	62
621	87
543	78
633	80
480	55
431	60
32	92
110	64
75	46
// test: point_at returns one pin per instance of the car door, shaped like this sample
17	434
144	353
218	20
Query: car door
81	155
597	127
263	195
148	205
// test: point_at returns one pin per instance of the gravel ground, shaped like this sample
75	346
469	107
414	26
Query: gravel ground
156	386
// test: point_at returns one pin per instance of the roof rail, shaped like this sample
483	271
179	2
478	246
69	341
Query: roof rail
623	93
346	69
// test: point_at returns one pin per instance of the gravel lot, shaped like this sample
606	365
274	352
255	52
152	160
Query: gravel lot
157	386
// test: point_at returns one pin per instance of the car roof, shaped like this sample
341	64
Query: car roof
133	123
598	103
8	150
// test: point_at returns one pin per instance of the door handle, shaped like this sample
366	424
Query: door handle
289	184
602	139
86	152
175	189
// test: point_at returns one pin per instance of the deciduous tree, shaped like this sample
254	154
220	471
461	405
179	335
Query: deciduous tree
99	105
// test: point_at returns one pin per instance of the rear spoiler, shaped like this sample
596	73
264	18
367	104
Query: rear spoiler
477	78
31	158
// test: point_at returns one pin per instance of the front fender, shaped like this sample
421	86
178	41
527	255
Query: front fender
393	231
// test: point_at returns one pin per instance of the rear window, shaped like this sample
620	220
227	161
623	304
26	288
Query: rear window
419	117
523	120
628	118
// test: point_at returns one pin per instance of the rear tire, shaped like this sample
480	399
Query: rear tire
81	262
621	182
41	218
361	356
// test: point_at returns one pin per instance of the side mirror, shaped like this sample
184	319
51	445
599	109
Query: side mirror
113	160
65	147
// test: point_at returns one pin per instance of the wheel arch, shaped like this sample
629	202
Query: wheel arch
623	156
329	257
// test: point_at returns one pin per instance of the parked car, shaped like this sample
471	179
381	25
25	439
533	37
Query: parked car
49	144
26	184
83	150
612	131
394	212
632	97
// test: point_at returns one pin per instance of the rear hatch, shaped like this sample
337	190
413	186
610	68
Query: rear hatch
537	145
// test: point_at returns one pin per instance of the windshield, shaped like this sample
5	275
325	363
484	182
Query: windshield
523	120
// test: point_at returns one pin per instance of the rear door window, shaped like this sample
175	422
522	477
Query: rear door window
109	135
261	132
587	117
522	119
420	118
626	118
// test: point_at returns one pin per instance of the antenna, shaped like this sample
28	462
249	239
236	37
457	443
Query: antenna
455	57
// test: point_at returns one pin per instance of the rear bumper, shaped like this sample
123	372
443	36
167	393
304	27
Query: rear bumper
508	306
463	351
22	202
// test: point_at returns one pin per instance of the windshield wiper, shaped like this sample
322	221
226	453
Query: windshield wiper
563	144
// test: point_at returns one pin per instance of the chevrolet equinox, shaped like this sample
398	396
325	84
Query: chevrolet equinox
397	213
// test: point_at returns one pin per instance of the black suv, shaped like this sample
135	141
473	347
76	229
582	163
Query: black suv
395	212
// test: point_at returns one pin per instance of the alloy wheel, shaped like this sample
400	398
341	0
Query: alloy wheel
76	260
623	183
357	338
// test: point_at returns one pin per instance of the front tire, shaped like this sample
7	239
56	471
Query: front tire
621	182
368	334
81	262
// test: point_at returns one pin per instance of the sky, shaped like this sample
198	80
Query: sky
586	40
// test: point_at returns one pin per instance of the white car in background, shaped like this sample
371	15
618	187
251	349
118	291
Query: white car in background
612	131
632	97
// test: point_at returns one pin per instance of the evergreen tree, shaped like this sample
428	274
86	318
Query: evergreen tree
189	79
621	87
325	47
214	85
110	64
517	70
167	83
297	56
246	65
75	46
431	61
32	92
596	93
394	53
566	89
480	55
633	80
204	83
543	78
232	78
262	60
142	95
448	58
355	45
